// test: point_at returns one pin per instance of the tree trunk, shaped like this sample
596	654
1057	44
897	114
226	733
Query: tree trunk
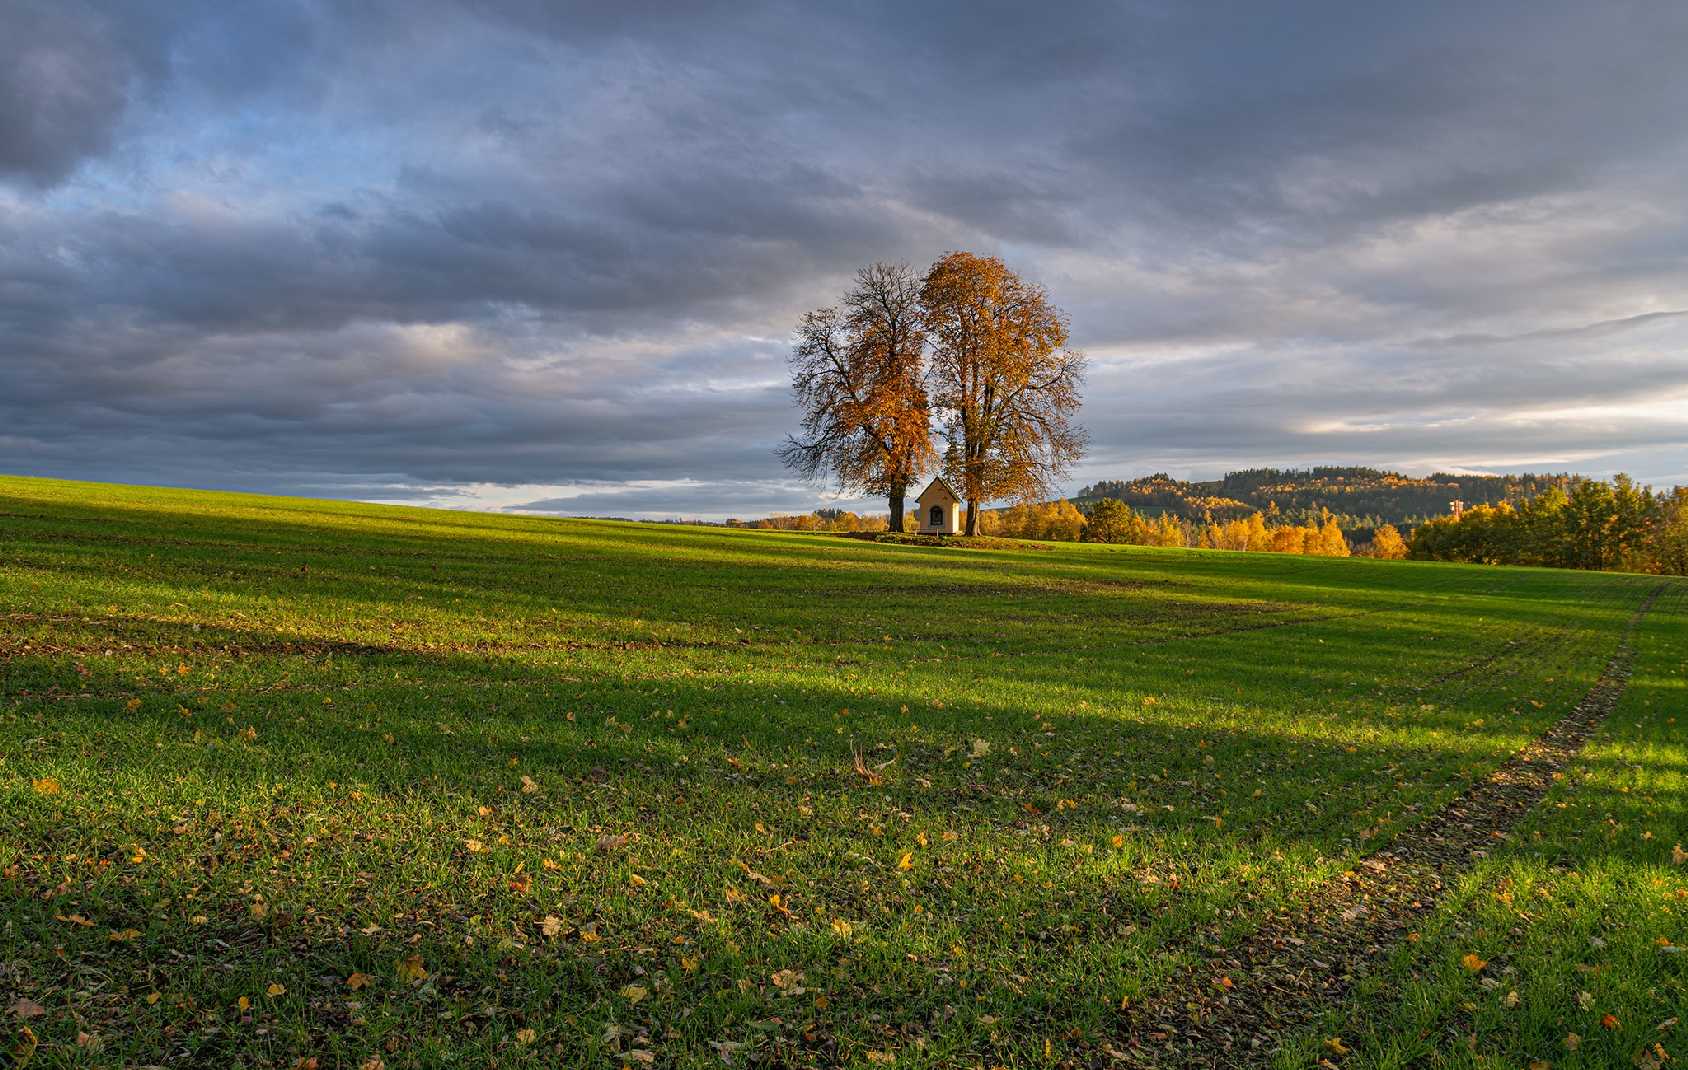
897	495
972	517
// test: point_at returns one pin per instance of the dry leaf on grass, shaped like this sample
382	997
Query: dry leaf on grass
27	1008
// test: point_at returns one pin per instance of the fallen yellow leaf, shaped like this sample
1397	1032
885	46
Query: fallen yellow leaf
24	1050
410	969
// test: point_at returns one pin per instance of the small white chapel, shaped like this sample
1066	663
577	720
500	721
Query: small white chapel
938	510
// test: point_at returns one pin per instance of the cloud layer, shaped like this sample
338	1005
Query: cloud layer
497	252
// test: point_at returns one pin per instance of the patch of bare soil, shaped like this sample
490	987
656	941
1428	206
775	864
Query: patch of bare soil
1237	1007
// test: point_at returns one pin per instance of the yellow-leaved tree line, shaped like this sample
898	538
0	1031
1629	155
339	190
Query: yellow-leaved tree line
1111	521
969	357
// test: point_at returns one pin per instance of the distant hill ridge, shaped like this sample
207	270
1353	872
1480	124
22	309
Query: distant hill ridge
1360	498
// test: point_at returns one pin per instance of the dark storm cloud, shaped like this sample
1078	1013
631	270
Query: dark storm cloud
64	81
427	250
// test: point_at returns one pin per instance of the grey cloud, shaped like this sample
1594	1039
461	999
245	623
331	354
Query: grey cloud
72	72
64	82
389	249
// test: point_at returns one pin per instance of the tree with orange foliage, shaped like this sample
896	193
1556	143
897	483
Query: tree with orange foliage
1056	521
1331	541
1387	542
858	373
1287	539
1259	539
1003	379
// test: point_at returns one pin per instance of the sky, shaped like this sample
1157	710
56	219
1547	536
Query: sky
519	254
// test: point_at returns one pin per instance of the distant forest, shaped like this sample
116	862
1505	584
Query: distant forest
1361	499
1555	521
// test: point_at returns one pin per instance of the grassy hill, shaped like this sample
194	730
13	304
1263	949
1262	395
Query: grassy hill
286	779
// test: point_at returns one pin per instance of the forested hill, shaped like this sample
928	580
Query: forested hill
1360	498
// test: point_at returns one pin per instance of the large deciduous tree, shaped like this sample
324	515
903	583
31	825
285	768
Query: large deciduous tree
1003	380
857	372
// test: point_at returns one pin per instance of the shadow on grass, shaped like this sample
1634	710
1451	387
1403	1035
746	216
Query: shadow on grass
621	729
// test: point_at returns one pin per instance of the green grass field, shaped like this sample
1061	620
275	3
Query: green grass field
286	780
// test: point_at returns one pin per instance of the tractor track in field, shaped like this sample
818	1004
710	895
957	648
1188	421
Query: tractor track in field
1524	645
1528	644
1236	1008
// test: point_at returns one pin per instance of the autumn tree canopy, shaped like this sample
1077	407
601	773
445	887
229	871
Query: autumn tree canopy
1002	380
858	375
972	344
1387	543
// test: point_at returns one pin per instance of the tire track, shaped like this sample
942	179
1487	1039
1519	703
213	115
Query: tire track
1235	1008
